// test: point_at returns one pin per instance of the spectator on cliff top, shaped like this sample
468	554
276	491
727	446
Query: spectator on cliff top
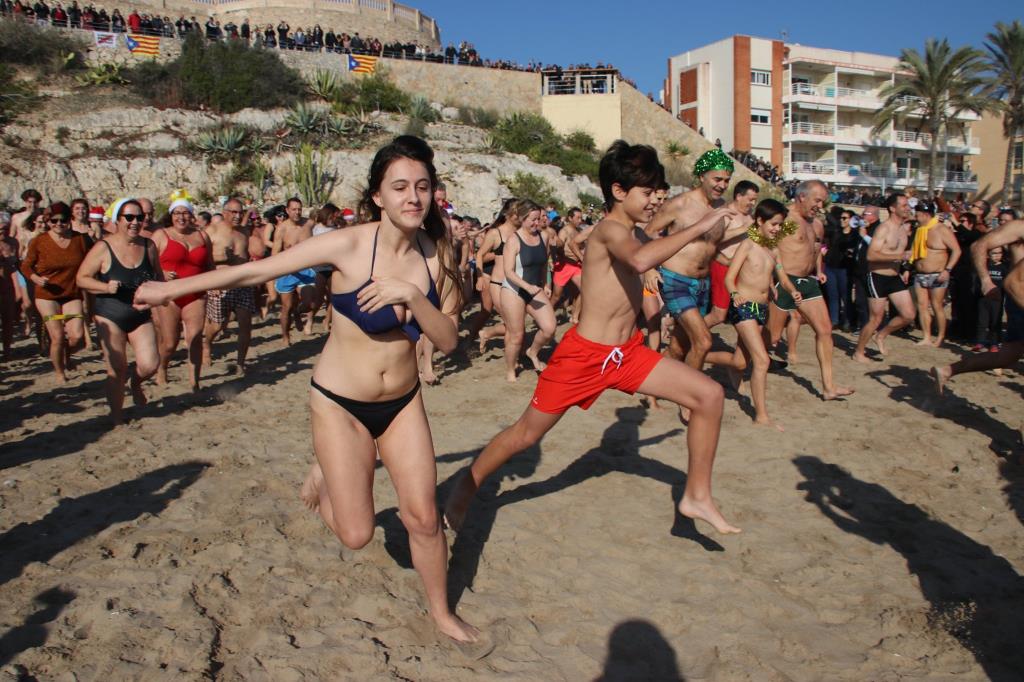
245	30
331	40
74	15
134	22
59	16
282	33
357	43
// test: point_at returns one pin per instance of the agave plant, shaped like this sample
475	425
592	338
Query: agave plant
102	74
419	109
324	84
310	177
303	121
226	141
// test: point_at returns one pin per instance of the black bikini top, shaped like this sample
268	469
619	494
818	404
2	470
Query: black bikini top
501	247
385	319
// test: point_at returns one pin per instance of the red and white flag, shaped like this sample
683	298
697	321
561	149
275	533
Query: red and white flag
105	39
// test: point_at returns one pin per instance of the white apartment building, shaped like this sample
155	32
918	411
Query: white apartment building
810	112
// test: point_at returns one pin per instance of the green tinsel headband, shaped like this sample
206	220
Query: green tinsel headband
712	159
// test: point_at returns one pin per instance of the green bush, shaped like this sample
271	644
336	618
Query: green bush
419	108
225	77
530	186
533	135
479	117
324	84
226	142
581	140
46	49
589	201
374	92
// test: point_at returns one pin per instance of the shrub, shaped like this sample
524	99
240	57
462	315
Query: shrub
46	49
533	135
589	201
374	92
530	186
581	140
226	142
102	74
417	127
479	117
676	150
419	108
519	132
225	77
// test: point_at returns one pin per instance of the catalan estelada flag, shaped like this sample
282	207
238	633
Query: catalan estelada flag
144	45
361	63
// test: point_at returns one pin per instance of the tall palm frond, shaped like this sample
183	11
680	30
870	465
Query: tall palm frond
1004	48
936	87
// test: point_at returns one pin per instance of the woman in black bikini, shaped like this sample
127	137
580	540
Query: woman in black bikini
365	397
488	257
526	289
107	273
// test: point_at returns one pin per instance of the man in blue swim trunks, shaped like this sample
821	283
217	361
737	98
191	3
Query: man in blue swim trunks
1010	235
685	286
297	289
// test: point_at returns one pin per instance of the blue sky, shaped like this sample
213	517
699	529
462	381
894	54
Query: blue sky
638	37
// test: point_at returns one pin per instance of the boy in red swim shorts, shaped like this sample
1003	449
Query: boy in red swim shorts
606	350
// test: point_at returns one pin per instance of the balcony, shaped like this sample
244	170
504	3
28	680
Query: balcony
815	129
830	94
875	176
914	140
816	168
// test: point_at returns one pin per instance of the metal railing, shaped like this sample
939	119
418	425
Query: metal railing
872	172
582	82
807	128
910	136
817	168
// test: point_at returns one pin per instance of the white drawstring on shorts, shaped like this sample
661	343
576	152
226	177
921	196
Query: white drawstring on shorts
615	356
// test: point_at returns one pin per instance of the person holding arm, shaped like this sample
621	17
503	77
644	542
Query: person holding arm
489	257
365	397
749	281
525	289
107	273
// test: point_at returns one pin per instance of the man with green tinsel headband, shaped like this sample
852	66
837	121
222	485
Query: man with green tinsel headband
683	278
801	257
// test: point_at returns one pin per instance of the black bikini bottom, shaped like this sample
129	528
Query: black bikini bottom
376	417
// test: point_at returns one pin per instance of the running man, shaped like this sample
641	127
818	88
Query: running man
297	289
744	198
1010	235
887	250
229	240
801	258
606	350
934	253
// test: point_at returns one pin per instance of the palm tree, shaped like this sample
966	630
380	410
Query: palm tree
1005	48
936	87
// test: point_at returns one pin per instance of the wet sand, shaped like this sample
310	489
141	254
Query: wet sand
881	533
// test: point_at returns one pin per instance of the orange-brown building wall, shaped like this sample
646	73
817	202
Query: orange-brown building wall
778	52
741	91
688	86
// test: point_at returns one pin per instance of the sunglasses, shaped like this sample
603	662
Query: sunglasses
56	221
132	217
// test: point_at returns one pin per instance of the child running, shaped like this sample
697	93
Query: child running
606	350
748	281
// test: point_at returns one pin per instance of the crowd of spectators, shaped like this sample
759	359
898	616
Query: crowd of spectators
282	36
762	168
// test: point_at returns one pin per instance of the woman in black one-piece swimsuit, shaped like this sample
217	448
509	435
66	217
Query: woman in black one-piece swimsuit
107	273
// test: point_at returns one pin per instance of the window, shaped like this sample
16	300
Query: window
760	77
1018	156
762	116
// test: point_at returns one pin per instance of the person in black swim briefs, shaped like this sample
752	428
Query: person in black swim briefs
113	270
364	397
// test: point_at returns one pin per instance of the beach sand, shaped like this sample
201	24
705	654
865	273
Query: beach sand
881	533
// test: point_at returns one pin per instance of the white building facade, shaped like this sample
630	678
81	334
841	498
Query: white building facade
810	112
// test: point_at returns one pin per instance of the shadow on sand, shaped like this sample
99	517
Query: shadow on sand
638	651
33	632
975	595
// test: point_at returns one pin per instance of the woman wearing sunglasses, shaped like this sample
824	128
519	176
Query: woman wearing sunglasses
113	270
51	263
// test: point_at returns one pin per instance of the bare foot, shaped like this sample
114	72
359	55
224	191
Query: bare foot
863	359
60	379
650	402
706	511
938	343
941	376
482	344
837	392
457	504
880	342
926	341
287	340
537	364
511	377
194	386
161	377
792	357
310	491
468	640
765	421
428	377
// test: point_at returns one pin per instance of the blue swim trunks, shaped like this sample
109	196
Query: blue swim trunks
748	310
1014	322
681	293
289	283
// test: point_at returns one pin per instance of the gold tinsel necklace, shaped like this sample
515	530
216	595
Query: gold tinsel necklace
787	228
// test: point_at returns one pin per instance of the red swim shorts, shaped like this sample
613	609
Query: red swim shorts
719	294
580	371
565	271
